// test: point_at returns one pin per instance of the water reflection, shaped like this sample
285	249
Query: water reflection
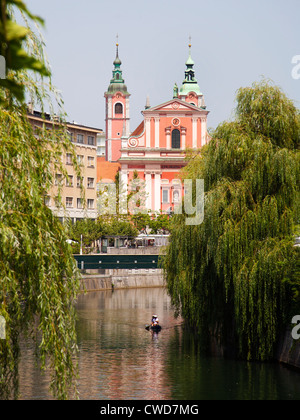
198	377
120	359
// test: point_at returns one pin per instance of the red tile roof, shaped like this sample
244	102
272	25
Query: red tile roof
138	130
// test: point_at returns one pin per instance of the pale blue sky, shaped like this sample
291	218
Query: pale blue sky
234	43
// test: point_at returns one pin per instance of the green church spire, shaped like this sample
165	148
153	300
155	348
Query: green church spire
117	82
190	82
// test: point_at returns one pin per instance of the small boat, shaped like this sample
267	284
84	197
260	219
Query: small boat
155	328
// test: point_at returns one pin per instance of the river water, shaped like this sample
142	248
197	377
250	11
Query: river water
120	360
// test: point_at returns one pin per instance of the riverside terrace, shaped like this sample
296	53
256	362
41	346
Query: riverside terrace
124	244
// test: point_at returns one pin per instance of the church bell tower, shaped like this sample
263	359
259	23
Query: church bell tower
117	111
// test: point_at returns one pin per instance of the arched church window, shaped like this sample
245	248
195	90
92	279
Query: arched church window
176	139
118	108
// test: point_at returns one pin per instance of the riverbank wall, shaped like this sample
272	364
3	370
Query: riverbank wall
122	279
288	351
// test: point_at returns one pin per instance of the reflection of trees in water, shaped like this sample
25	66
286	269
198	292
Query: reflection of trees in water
208	377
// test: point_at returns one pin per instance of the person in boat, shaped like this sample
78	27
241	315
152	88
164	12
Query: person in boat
154	321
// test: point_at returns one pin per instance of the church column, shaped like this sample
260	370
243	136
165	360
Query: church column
203	131
156	132
183	134
148	131
148	181
168	137
157	200
194	122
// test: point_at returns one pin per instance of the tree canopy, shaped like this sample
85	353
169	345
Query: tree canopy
39	278
236	275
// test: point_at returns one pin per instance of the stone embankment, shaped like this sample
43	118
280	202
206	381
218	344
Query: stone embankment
121	279
288	351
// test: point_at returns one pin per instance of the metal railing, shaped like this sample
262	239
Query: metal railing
110	261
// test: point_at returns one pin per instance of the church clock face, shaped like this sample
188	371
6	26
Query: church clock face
176	121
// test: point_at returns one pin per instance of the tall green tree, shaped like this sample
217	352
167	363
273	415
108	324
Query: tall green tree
236	275
39	279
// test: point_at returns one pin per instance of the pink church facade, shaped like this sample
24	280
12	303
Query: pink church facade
156	148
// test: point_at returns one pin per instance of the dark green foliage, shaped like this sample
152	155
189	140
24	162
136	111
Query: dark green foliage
39	279
237	271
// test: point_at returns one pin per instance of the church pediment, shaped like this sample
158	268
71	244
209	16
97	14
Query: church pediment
174	105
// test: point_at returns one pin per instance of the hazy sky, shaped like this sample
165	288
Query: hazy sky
234	43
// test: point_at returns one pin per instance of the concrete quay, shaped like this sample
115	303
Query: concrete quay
122	279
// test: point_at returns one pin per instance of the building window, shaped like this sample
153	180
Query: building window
91	161
79	181
118	108
176	139
58	179
79	203
165	196
69	159
80	138
47	200
91	140
90	182
69	202
57	201
71	136
69	181
90	203
80	159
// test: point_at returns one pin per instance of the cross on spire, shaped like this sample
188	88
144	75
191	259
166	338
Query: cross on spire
117	45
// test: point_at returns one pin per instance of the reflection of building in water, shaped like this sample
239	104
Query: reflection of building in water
127	362
137	377
118	358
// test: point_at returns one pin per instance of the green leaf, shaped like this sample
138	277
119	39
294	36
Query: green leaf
12	31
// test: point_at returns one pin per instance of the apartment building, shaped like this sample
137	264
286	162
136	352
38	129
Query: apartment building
78	203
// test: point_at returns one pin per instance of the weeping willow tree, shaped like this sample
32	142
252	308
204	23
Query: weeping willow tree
237	274
38	276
